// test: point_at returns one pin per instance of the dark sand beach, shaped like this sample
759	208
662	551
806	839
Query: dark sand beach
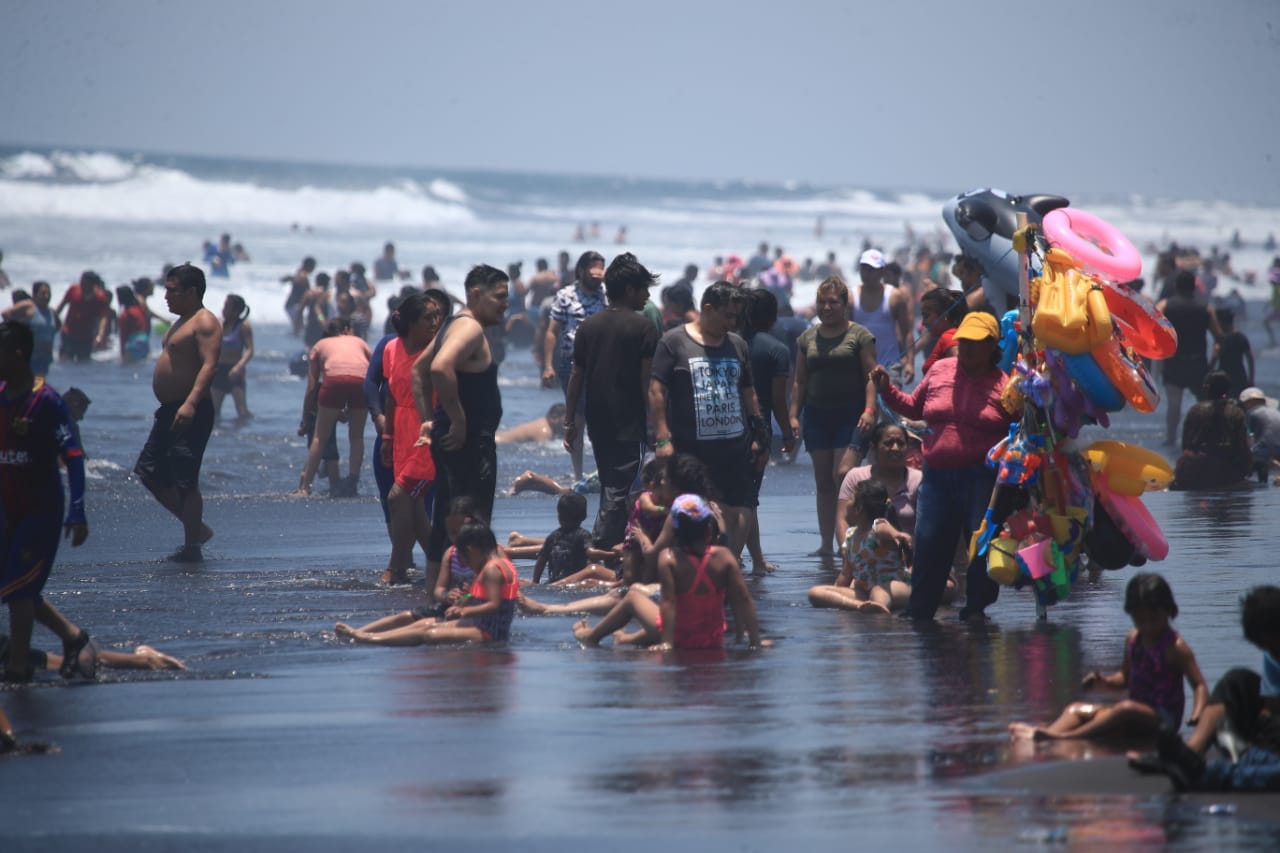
851	731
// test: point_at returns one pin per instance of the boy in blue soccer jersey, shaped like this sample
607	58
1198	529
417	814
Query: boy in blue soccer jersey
35	430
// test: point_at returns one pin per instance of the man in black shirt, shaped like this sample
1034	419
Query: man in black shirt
611	354
703	401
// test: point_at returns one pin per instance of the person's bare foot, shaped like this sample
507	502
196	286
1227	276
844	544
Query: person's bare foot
582	633
157	659
342	629
1026	731
530	605
521	482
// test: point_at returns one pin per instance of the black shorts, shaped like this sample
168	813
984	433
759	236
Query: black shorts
173	458
730	466
222	380
76	349
471	471
1187	373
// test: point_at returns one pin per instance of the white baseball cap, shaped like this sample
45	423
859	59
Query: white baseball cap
872	258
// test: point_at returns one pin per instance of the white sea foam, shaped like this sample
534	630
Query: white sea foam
61	213
107	187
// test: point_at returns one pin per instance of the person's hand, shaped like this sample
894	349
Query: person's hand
454	612
380	424
344	416
570	434
789	441
908	372
866	421
549	377
424	435
77	533
1091	679
453	595
760	455
664	451
456	437
182	420
878	376
388	453
236	371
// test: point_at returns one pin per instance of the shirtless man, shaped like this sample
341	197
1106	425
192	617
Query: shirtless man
545	428
169	465
460	369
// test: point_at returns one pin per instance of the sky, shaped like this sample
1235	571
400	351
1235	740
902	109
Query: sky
1155	97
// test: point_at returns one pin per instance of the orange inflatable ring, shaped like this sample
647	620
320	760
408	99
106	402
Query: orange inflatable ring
1145	328
1128	374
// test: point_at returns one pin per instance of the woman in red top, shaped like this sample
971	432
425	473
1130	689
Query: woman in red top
959	401
416	319
133	326
941	311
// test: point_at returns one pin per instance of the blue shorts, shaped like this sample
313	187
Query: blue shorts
28	550
832	429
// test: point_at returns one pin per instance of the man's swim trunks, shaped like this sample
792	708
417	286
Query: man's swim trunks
172	458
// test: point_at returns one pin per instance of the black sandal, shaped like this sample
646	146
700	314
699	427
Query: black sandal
71	654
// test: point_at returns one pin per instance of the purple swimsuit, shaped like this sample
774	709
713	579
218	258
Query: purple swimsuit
1155	681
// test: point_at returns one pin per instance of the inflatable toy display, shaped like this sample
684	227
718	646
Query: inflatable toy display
1075	349
983	221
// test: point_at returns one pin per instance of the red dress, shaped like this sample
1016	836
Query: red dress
413	466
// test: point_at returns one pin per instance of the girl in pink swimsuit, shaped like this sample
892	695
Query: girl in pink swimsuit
1156	660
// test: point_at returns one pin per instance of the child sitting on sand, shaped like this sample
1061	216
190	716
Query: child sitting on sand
1156	660
1242	717
484	614
452	582
874	577
567	549
695	577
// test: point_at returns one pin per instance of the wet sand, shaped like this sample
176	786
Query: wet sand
851	730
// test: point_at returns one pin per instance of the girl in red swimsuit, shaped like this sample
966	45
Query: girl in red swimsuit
696	577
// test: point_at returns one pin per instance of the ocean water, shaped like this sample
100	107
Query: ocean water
125	215
850	731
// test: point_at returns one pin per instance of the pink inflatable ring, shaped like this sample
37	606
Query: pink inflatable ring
1101	250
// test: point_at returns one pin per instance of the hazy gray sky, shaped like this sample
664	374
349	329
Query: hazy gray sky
1167	97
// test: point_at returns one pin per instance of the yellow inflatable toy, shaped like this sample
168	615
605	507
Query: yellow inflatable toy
1129	469
1071	312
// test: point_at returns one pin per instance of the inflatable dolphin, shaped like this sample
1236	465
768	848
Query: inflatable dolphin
983	222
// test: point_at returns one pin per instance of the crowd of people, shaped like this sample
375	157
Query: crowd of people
704	383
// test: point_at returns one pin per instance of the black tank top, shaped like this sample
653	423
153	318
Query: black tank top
1190	320
478	395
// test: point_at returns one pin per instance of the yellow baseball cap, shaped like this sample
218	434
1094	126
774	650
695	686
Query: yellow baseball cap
978	326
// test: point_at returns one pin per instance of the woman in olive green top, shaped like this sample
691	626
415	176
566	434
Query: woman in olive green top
838	401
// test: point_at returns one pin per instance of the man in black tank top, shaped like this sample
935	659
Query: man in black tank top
461	370
1191	317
